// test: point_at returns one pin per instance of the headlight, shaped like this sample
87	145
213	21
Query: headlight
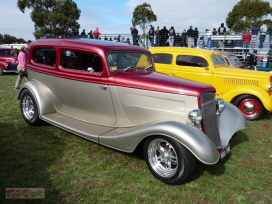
6	64
195	116
219	105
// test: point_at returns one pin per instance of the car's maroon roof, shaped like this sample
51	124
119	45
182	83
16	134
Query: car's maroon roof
98	45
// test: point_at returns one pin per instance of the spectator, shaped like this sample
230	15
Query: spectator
196	32
123	40
128	41
134	33
83	32
172	34
96	34
209	34
263	30
184	38
21	67
177	40
246	40
119	38
151	34
254	32
221	31
214	42
252	61
270	37
190	36
105	38
164	35
90	34
157	33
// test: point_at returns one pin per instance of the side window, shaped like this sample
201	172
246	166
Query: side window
191	61
163	58
78	60
218	60
45	56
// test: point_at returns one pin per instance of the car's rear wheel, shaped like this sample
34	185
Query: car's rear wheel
1	71
29	108
168	160
251	106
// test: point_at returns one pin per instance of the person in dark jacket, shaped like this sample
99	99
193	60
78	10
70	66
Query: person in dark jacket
195	33
177	40
252	61
164	35
190	36
221	31
134	33
254	32
184	39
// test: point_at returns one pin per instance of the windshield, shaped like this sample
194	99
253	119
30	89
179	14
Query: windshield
129	60
218	60
8	53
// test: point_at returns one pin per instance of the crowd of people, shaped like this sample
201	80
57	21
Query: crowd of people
191	37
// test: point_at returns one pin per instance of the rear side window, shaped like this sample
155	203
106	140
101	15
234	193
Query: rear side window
191	61
163	58
78	60
218	60
45	56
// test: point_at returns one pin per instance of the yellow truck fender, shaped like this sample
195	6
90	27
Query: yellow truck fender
261	94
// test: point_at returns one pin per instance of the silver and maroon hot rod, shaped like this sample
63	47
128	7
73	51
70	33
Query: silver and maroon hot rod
109	93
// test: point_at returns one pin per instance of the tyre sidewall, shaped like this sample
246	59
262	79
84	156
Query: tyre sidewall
35	120
183	171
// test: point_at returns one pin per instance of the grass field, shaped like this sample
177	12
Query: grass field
74	170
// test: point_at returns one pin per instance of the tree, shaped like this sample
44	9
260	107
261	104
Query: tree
246	13
143	16
51	16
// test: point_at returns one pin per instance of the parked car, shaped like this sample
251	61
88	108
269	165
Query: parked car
232	60
8	60
108	92
249	90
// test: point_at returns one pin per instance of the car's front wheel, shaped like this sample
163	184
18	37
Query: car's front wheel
168	160
251	106
29	108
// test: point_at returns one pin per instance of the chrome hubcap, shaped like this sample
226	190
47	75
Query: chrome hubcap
163	158
249	107
28	107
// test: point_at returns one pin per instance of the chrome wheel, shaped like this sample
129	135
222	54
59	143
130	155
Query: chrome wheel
163	158
28	108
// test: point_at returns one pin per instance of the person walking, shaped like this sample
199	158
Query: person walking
96	34
252	61
21	68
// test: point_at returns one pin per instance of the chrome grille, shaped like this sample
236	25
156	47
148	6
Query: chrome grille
208	108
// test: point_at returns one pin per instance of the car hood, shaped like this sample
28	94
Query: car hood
9	59
160	82
242	73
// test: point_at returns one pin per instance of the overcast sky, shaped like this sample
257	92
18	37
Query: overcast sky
114	16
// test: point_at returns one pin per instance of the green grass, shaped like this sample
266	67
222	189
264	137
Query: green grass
74	170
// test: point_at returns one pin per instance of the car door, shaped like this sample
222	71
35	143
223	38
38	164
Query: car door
83	94
193	67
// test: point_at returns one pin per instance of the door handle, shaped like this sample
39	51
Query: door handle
104	87
173	73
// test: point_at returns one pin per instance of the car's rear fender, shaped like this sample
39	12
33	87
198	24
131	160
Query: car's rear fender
41	95
261	94
192	138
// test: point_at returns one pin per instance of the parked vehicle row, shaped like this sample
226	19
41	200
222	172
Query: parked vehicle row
109	93
249	90
8	60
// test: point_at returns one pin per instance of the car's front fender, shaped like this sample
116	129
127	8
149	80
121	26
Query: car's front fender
252	90
192	138
40	93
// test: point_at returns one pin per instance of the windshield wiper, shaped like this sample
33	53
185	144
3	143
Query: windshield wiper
129	67
150	66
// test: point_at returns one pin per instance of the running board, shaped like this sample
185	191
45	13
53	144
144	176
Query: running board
86	130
